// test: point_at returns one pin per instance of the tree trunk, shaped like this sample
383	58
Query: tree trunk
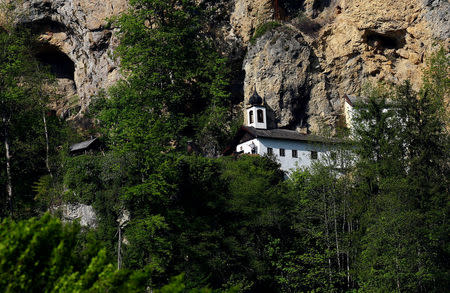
119	247
347	249
8	172
336	234
327	234
47	145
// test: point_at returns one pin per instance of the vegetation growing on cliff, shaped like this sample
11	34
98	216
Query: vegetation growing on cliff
262	29
176	82
30	132
237	223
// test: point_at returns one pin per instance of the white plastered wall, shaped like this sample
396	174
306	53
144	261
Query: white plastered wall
288	163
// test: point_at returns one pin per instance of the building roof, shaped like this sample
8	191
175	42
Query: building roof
246	133
255	99
287	134
82	145
351	99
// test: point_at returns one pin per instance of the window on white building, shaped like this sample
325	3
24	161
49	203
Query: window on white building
282	153
260	116
250	114
294	154
333	155
253	148
314	155
270	151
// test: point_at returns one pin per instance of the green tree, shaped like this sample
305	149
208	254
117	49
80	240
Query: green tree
319	257
175	86
43	255
191	216
426	140
386	235
21	110
29	135
376	131
403	185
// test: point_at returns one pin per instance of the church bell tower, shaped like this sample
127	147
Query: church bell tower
256	112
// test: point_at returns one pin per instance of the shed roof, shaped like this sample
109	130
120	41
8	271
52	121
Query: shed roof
82	145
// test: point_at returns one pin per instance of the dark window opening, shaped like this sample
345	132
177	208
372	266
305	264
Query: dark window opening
270	151
333	155
294	154
314	155
250	117
60	64
260	116
282	153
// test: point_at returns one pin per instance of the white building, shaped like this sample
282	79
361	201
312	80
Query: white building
290	148
351	113
349	110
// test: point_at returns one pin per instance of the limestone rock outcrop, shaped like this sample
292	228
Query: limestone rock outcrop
350	43
76	30
278	68
81	212
380	40
323	50
247	15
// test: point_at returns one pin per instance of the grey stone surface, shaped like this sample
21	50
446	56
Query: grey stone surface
437	15
78	28
84	213
281	66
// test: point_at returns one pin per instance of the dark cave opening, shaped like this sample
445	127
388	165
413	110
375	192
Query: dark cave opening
45	25
319	6
60	64
387	40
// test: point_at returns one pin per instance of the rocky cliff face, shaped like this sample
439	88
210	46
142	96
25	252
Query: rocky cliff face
321	51
77	44
325	49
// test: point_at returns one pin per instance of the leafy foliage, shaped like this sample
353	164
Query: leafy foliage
262	29
23	99
175	86
43	255
403	184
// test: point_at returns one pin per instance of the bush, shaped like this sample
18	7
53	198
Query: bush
262	29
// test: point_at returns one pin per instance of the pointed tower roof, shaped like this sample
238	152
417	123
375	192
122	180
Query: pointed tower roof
255	99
